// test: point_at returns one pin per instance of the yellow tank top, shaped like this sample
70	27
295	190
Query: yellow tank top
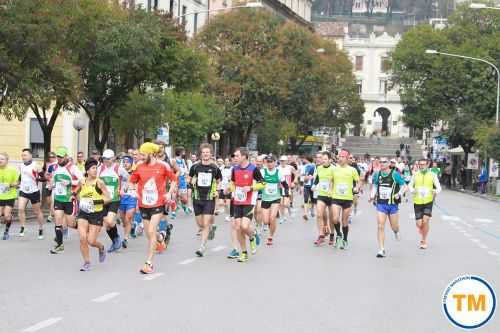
90	201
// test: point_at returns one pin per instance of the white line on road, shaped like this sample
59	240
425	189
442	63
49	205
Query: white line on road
480	220
105	297
469	225
466	234
474	240
218	248
187	261
493	253
152	276
482	246
451	218
43	324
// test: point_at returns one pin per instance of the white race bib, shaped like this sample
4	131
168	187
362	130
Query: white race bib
204	179
4	188
132	192
385	193
61	189
149	197
271	189
239	194
29	188
111	191
342	189
87	205
324	185
422	192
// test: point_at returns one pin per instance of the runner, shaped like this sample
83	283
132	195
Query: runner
49	168
235	252
352	163
344	177
92	196
425	185
406	176
112	174
80	162
65	183
181	170
246	180
388	188
309	200
324	183
128	203
288	172
226	178
259	163
9	179
151	177
271	196
29	191
204	178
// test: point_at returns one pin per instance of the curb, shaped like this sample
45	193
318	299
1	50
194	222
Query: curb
477	195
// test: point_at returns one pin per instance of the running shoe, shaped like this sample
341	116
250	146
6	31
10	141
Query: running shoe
423	245
200	252
243	257
397	235
40	234
227	219
381	254
148	268
5	236
319	241
332	240
338	242
124	243
21	232
344	245
257	239
253	245
85	267
132	231
116	245
305	217
269	241
102	254
57	249
312	213
161	247
173	215
211	233
233	254
49	219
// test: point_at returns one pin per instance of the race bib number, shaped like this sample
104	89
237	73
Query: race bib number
204	179
385	193
132	192
29	188
149	197
87	205
240	195
342	189
61	189
422	192
271	189
324	185
4	188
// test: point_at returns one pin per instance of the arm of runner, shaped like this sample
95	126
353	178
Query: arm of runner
411	186
437	185
373	190
402	185
105	193
259	181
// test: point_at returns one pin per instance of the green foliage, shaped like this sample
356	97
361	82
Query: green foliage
457	93
487	139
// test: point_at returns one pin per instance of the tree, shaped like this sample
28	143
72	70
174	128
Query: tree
36	71
437	90
120	50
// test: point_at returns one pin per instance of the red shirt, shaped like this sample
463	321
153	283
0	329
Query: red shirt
152	183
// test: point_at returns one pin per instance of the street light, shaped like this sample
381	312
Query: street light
78	125
480	60
481	6
247	5
215	137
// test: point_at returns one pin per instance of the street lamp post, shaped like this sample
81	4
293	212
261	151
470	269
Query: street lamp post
78	125
480	60
215	137
281	143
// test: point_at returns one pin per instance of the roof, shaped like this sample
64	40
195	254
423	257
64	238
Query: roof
331	29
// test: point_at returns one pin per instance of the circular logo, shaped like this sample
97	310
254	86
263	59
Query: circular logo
469	301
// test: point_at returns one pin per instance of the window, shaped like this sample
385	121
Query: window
385	64
359	63
155	5
149	5
360	87
184	12
36	138
382	86
171	7
195	23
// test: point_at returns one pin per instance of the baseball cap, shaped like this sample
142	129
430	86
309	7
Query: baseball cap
284	158
394	160
61	151
149	148
270	158
108	154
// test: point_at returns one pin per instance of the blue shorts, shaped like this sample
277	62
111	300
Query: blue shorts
182	183
388	209
127	203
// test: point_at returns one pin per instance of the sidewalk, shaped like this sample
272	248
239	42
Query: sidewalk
487	196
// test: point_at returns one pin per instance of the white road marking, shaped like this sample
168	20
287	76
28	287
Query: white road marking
493	253
474	240
43	324
152	276
453	224
469	225
218	248
466	234
480	220
105	297
187	261
451	218
482	246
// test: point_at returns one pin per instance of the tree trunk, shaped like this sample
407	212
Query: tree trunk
102	128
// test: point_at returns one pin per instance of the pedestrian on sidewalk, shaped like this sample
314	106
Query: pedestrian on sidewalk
463	176
483	178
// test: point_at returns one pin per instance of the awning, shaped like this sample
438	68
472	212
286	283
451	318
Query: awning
456	151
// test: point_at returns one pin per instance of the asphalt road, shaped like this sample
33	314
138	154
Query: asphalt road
292	286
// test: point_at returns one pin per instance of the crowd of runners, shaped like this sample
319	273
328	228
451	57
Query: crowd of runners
142	191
